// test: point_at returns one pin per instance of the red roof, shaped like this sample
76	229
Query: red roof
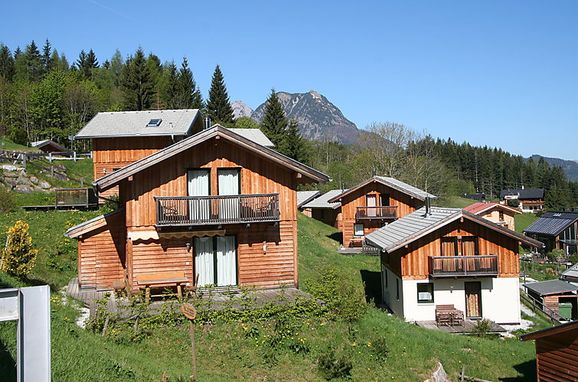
480	207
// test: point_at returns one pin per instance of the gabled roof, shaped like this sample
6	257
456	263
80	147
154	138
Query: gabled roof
398	185
48	142
549	287
115	177
481	207
411	227
560	329
323	200
570	274
552	223
134	123
305	197
523	193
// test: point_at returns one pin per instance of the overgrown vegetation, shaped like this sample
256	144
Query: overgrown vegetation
18	256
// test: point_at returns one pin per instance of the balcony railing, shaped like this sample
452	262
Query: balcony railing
452	266
375	213
182	211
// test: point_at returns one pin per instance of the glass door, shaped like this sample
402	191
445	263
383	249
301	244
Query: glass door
199	185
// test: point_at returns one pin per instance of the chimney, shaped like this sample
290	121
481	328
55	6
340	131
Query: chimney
427	206
207	122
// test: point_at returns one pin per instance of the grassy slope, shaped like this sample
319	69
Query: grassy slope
225	352
7	144
524	220
452	201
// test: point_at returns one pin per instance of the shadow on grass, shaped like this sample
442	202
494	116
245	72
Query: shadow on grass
336	236
372	284
7	364
526	370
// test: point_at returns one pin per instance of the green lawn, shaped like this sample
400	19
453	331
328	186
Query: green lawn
7	144
453	201
378	345
524	220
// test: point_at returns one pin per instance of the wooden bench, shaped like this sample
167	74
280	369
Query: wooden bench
447	314
156	280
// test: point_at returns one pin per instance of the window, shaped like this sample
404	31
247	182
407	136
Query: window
425	293
155	122
358	230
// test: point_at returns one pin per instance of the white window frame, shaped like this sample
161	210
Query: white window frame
355	230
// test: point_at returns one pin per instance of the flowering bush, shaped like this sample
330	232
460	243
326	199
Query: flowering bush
18	256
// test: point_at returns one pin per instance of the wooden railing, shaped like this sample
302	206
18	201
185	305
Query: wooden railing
221	209
382	212
451	266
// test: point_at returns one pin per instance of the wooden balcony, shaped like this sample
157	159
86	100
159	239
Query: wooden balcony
376	213
187	211
456	266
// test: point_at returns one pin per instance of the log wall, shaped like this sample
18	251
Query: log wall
557	357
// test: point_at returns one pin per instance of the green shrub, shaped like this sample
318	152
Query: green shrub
332	367
556	255
19	257
482	328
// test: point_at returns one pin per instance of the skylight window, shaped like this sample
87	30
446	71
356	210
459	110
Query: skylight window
155	122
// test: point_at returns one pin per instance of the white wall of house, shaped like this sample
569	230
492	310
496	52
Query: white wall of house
500	298
389	284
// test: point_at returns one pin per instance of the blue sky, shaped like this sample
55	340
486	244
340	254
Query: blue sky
496	73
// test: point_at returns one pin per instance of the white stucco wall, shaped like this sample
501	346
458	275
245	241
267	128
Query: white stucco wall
500	298
389	291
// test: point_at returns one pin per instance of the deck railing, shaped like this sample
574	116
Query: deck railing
452	266
381	212
221	209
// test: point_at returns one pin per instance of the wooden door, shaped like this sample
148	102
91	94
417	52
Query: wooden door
473	292
199	185
371	203
228	179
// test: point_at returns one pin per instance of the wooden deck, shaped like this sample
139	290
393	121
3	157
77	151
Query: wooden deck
468	327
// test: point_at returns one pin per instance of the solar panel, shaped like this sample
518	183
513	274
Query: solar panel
154	122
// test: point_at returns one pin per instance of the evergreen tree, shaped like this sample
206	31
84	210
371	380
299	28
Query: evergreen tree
47	56
6	63
188	94
274	123
218	105
170	86
86	63
32	68
294	145
137	83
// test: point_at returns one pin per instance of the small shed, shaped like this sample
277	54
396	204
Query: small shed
570	274
49	146
556	352
304	197
555	295
324	211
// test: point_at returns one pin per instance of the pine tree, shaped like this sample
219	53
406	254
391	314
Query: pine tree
86	63
188	94
218	105
274	123
137	83
47	56
170	86
6	63
33	63
294	145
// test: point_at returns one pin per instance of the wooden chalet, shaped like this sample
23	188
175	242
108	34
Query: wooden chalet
436	258
374	203
215	208
558	230
556	353
121	138
327	212
498	213
527	199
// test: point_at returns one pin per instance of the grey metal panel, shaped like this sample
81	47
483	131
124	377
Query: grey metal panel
254	135
322	201
305	197
549	226
523	193
544	288
404	187
570	273
396	234
134	123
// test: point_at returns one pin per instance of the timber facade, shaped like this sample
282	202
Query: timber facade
216	208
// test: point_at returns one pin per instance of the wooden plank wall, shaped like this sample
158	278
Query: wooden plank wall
405	205
557	357
413	262
101	255
278	264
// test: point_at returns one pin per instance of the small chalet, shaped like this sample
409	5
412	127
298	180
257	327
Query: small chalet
435	258
325	211
556	352
557	230
526	199
304	197
556	297
215	208
374	203
49	146
498	213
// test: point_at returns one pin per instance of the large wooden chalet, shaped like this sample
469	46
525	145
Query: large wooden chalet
498	213
439	257
216	208
374	203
